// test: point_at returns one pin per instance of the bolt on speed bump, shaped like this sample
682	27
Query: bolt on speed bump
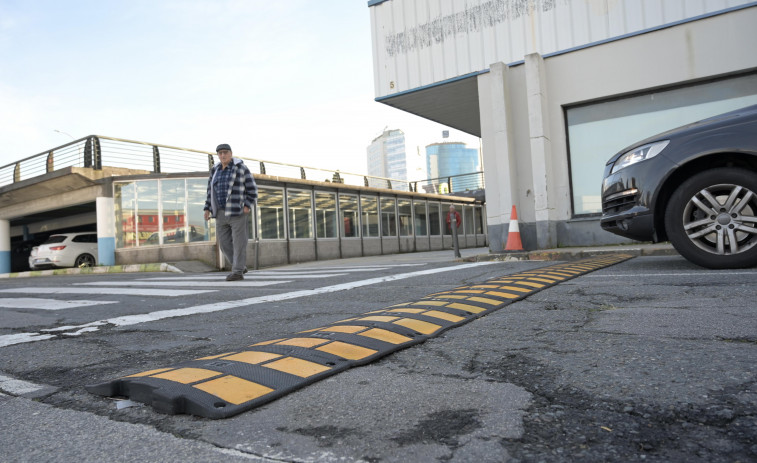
226	384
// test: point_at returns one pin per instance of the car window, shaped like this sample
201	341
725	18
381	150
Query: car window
55	239
90	238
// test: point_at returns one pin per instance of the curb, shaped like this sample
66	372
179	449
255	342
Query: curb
569	254
134	268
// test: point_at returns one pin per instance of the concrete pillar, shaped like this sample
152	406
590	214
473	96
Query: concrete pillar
5	246
541	151
500	174
106	231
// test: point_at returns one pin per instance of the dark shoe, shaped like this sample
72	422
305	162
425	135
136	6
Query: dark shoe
245	270
234	277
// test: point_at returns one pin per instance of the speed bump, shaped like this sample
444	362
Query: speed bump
223	385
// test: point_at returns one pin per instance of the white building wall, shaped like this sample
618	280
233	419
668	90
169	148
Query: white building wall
421	42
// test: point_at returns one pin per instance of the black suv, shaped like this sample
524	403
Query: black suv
695	186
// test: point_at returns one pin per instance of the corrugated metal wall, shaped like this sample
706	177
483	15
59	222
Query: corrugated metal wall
421	42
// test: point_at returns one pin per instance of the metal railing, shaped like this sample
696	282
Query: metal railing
96	152
461	183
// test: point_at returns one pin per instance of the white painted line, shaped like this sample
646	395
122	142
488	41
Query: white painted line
18	338
248	277
110	291
180	282
18	387
46	304
128	320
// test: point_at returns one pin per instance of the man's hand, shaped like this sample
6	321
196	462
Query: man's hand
207	215
246	210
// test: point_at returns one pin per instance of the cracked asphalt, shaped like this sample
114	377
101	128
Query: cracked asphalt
648	360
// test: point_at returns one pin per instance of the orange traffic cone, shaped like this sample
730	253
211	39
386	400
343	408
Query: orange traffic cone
513	234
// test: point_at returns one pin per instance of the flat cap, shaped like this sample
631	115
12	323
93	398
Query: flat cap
223	146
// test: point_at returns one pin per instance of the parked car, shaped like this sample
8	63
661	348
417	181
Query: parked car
695	186
67	250
20	252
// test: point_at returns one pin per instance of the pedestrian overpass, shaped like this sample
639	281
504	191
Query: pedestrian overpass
146	203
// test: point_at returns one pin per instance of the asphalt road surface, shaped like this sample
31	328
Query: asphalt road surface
651	359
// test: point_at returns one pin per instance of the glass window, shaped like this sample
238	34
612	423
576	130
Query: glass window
598	131
199	229
300	214
388	217
172	199
479	219
271	213
445	216
369	206
434	219
421	224
147	208
325	215
124	202
349	215
467	220
405	209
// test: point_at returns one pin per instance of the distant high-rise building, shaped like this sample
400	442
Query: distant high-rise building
387	158
446	159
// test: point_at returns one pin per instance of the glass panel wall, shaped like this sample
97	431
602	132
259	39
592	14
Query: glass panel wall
172	201
435	218
300	214
405	209
479	219
349	215
421	224
148	223
467	220
388	217
445	216
369	206
325	215
199	229
124	199
271	216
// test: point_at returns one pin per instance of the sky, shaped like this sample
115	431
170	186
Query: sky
288	81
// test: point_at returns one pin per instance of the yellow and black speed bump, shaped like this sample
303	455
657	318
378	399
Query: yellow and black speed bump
223	385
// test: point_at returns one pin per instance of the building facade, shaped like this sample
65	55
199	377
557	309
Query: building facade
554	88
451	158
387	157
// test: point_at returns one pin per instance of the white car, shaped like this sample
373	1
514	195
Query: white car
66	250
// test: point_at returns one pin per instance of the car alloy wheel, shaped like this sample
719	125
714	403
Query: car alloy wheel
711	218
85	260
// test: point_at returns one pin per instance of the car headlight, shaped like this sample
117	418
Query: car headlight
642	153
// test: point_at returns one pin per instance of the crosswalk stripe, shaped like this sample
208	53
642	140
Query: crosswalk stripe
124	291
194	283
46	304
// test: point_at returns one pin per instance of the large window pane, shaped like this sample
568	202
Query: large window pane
468	220
271	217
421	227
124	199
172	199
325	215
148	219
434	219
388	217
300	214
199	229
349	215
406	217
598	131
369	206
479	219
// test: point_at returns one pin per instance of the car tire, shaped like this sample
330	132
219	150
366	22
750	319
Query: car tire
84	260
711	219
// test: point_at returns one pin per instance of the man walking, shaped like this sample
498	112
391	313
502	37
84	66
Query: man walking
231	193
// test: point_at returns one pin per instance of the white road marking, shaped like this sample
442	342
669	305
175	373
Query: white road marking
126	291
248	277
128	320
184	282
18	387
46	304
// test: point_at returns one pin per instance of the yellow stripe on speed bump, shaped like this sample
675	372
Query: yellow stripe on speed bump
223	385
